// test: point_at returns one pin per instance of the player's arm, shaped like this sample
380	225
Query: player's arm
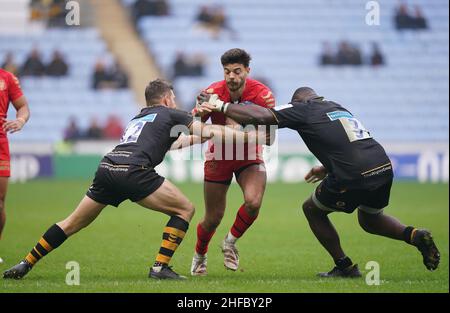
250	114
187	140
22	116
221	133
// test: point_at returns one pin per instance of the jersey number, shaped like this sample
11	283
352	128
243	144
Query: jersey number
355	129
132	132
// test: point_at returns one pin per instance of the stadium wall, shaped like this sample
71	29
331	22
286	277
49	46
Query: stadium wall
285	163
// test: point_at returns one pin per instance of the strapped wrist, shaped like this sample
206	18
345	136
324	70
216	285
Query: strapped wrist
225	107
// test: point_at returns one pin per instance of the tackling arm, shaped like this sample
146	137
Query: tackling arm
221	133
249	114
185	141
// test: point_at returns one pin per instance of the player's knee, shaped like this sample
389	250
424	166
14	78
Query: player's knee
253	205
2	203
212	221
188	211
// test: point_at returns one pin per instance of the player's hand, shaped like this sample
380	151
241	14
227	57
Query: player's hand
317	173
202	98
202	109
12	126
214	101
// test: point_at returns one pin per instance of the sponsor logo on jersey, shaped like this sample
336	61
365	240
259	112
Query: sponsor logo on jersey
339	114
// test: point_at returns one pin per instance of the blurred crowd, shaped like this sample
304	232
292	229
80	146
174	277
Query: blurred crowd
111	130
406	20
35	66
50	11
347	53
109	76
188	65
214	20
142	8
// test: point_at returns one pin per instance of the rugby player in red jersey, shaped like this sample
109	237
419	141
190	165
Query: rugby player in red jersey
10	91
248	167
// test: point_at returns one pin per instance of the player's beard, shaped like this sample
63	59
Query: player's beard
235	86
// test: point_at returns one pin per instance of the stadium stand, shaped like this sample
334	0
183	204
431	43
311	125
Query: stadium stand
406	100
54	100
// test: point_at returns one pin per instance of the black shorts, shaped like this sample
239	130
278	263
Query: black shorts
331	197
115	183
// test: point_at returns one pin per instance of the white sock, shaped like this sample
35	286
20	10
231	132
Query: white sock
230	238
157	269
198	255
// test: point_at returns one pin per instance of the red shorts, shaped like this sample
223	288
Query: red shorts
4	158
222	171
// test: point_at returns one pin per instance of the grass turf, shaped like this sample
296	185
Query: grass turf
278	254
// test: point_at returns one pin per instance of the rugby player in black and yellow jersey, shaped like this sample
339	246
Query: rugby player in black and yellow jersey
356	172
128	172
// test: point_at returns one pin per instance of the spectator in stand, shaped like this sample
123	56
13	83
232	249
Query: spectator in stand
119	79
184	66
419	19
197	64
72	131
109	77
52	12
57	66
113	128
149	8
100	77
348	55
327	57
180	66
9	65
33	65
377	58
214	20
403	19
57	13
94	131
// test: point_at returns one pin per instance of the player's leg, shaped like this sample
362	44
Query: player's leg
316	209
169	200
252	180
373	220
86	212
215	202
4	177
3	190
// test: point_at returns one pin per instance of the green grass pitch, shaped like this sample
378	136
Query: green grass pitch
278	254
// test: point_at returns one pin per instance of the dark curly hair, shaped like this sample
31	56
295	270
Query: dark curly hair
236	55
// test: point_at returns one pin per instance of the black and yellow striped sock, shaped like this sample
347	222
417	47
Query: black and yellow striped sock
52	239
173	234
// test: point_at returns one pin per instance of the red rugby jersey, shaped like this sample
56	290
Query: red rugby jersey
9	91
254	92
